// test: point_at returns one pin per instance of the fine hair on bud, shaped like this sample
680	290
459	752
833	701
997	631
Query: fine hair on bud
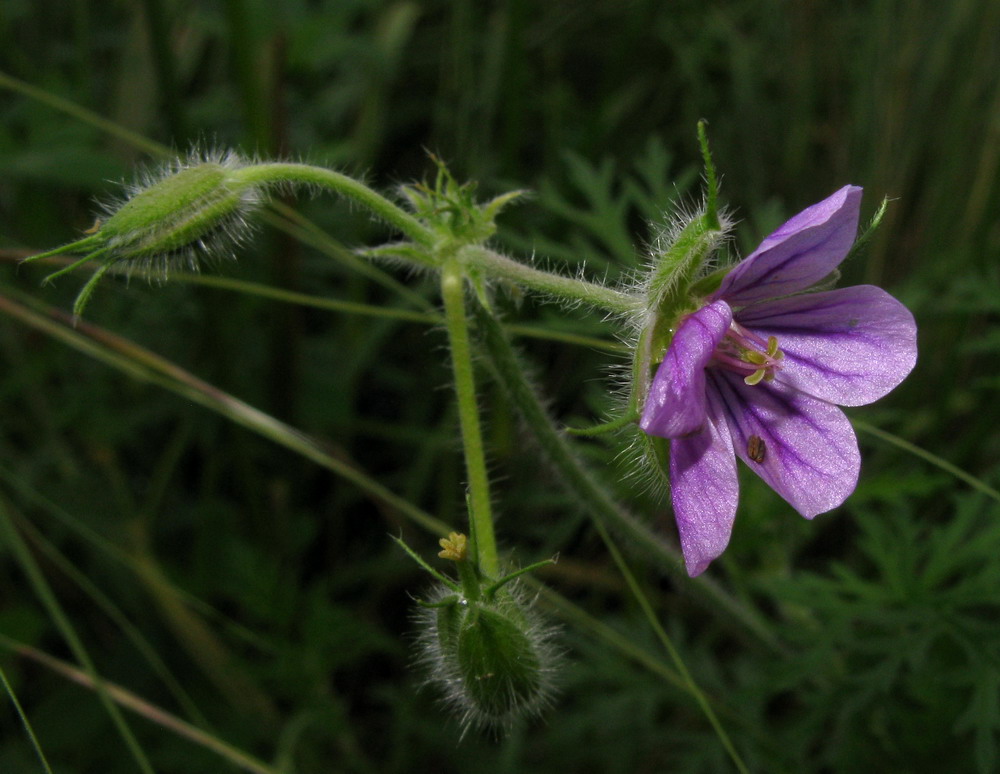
180	214
493	661
683	249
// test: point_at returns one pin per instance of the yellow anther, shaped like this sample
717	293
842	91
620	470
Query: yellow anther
772	346
755	377
454	547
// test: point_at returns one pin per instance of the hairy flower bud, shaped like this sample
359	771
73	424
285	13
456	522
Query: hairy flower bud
681	254
498	662
190	210
193	209
492	659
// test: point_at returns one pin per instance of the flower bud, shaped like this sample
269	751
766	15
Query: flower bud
681	254
188	211
191	210
499	664
492	659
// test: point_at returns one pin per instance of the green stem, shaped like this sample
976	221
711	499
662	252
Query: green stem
261	290
689	683
141	707
930	457
25	722
480	508
392	214
590	494
112	611
139	363
62	622
83	115
565	288
294	224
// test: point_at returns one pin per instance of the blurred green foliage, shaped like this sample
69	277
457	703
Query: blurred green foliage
298	649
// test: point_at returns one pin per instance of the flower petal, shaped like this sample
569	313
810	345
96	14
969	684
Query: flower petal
675	405
704	489
848	346
810	453
799	254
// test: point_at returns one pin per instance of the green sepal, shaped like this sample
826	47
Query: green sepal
480	288
656	452
80	303
493	207
711	180
866	235
404	250
608	427
91	242
708	284
450	210
76	264
678	265
490	591
449	624
499	665
430	570
446	602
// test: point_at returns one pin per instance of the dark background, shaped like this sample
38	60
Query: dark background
297	647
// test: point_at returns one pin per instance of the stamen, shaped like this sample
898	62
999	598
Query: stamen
746	353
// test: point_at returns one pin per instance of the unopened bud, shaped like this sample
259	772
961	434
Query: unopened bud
188	211
194	210
492	659
682	253
500	666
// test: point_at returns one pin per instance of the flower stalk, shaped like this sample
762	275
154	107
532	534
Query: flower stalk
497	266
277	173
480	508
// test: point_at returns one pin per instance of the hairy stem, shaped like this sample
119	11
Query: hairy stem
58	615
567	288
689	682
480	508
277	173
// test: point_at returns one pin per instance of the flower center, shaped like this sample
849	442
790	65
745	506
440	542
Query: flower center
748	354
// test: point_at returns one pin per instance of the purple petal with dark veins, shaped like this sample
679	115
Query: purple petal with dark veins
799	254
811	455
704	489
848	346
676	402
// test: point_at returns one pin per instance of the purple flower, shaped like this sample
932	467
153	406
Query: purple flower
759	370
